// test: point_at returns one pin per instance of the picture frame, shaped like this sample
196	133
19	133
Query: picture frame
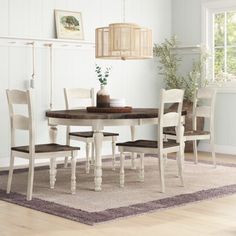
69	25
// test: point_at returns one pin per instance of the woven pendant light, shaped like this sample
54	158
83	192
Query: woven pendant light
125	41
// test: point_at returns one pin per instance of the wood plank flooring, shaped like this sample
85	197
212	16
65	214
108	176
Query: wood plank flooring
215	217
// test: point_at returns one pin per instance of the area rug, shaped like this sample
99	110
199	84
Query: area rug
202	182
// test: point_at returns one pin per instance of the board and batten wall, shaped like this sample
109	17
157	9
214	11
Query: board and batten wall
136	81
186	24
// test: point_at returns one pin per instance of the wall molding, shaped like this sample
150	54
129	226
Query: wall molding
45	42
224	149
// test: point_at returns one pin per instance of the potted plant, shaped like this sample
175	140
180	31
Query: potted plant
103	97
169	68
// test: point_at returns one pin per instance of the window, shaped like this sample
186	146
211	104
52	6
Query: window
219	35
224	51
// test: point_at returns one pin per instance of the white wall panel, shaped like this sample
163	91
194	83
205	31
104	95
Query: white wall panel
4	17
35	18
19	22
4	120
186	21
137	81
47	20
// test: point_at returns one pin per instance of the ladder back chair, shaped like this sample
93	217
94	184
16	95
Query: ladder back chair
32	151
79	94
203	106
160	147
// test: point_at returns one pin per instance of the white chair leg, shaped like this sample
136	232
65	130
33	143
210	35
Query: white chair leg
195	151
122	169
161	172
141	170
73	173
182	154
180	166
98	140
67	143
66	162
10	173
52	172
93	155
165	159
133	160
30	179
87	158
113	153
213	152
133	155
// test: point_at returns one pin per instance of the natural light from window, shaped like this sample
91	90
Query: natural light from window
224	51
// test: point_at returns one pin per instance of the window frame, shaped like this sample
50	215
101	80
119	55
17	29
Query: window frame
209	9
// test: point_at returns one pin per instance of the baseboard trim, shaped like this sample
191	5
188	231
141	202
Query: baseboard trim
224	149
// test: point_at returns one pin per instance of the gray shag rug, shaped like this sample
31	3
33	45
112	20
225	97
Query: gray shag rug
202	182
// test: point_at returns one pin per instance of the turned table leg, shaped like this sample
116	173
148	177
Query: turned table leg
98	138
53	164
133	155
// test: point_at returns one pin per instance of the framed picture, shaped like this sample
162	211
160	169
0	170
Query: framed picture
69	25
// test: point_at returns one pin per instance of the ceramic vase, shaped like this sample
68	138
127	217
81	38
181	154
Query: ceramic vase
103	97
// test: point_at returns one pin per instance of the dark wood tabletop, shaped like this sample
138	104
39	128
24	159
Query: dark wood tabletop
137	113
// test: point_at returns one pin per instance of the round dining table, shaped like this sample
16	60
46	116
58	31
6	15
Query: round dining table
81	117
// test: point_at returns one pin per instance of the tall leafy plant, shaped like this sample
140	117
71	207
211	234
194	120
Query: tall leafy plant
170	62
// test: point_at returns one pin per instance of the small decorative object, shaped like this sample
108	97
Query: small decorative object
103	97
117	102
69	25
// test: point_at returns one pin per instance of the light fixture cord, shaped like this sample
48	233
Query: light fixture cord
33	58
51	74
101	12
123	11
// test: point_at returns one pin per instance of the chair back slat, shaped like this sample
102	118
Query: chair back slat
72	94
203	111
204	106
20	122
17	97
172	96
205	93
78	93
170	119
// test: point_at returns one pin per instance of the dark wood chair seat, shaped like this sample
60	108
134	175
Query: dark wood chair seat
148	144
189	132
89	134
43	148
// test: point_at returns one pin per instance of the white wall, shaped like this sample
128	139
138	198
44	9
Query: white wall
137	81
186	24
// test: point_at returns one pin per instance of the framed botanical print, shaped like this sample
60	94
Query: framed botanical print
69	25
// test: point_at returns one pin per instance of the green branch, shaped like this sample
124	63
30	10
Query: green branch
169	68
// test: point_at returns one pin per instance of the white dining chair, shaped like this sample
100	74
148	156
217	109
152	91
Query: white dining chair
76	95
159	146
32	151
203	106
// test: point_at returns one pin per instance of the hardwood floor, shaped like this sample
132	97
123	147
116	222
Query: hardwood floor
214	217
